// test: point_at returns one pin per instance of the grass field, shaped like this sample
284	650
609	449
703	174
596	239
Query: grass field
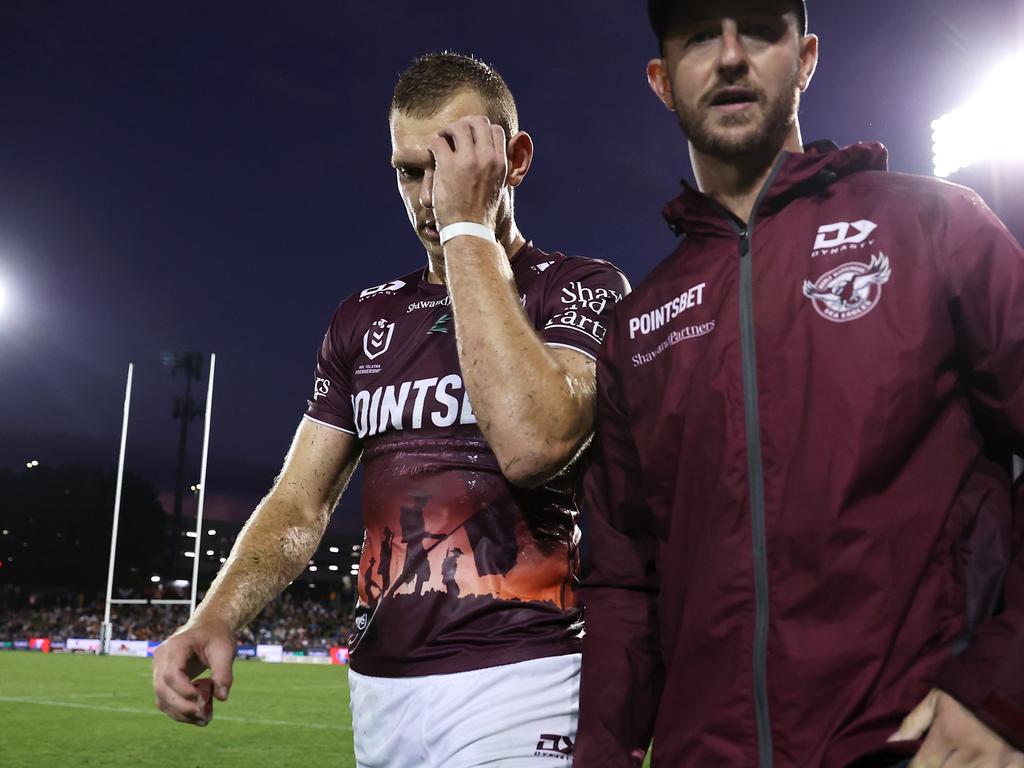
82	710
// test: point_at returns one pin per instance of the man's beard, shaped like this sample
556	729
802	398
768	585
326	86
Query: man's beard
764	140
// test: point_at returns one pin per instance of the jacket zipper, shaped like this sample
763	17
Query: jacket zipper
755	479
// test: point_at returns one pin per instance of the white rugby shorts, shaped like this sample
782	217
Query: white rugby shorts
519	715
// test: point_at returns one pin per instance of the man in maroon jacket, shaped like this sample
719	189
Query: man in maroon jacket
800	501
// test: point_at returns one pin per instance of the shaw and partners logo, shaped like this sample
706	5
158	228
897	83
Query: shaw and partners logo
583	309
849	291
377	340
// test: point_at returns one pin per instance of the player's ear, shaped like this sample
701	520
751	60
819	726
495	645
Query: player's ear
520	157
808	60
657	78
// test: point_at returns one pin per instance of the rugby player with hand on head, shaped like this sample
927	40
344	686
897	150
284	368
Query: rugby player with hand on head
800	498
466	388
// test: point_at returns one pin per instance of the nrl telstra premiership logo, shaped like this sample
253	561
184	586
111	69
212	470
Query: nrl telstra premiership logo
849	291
377	340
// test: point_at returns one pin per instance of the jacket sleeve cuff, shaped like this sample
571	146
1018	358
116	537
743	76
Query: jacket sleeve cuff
996	710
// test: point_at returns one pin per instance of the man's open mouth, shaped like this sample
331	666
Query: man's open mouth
733	98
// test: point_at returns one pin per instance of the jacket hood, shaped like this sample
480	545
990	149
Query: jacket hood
797	175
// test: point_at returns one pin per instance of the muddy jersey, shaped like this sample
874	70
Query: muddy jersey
459	569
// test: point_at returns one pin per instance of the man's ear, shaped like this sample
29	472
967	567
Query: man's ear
520	157
657	78
808	60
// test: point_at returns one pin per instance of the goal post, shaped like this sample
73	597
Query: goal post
202	486
106	626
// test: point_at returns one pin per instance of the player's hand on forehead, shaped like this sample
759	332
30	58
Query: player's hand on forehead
475	132
470	166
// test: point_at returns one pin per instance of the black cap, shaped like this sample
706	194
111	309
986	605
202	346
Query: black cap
660	11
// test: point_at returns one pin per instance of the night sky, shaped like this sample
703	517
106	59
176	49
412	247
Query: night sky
214	176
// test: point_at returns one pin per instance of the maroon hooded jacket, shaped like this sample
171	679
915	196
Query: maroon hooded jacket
800	498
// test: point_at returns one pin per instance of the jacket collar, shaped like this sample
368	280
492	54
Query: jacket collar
800	175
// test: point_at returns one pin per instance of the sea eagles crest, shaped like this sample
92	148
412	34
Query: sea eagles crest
849	291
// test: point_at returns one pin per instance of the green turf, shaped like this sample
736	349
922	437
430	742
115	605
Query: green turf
82	710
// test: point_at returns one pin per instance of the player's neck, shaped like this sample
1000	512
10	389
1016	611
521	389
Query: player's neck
735	183
508	236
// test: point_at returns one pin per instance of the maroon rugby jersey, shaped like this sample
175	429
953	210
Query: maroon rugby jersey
459	569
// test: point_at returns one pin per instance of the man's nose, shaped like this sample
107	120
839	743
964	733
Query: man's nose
732	55
427	190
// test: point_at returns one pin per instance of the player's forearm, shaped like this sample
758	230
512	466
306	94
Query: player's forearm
270	552
532	413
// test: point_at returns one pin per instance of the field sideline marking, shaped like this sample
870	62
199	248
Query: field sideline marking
137	711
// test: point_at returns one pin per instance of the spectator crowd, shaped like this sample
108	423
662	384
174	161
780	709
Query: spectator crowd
297	623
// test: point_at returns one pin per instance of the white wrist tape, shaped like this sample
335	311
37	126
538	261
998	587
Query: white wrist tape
470	228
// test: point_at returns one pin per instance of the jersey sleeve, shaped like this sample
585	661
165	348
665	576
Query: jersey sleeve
986	275
579	301
331	403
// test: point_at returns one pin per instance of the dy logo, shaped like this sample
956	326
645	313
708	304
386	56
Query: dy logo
377	340
834	235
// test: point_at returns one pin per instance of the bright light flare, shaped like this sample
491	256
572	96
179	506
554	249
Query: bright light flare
986	126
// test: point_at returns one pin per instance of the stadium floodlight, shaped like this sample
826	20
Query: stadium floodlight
332	567
190	554
209	553
334	550
190	534
312	568
223	559
986	126
211	532
6	531
155	579
5	296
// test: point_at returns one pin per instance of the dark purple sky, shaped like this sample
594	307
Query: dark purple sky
214	176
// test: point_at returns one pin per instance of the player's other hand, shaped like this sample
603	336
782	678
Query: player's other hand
470	166
187	653
956	738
